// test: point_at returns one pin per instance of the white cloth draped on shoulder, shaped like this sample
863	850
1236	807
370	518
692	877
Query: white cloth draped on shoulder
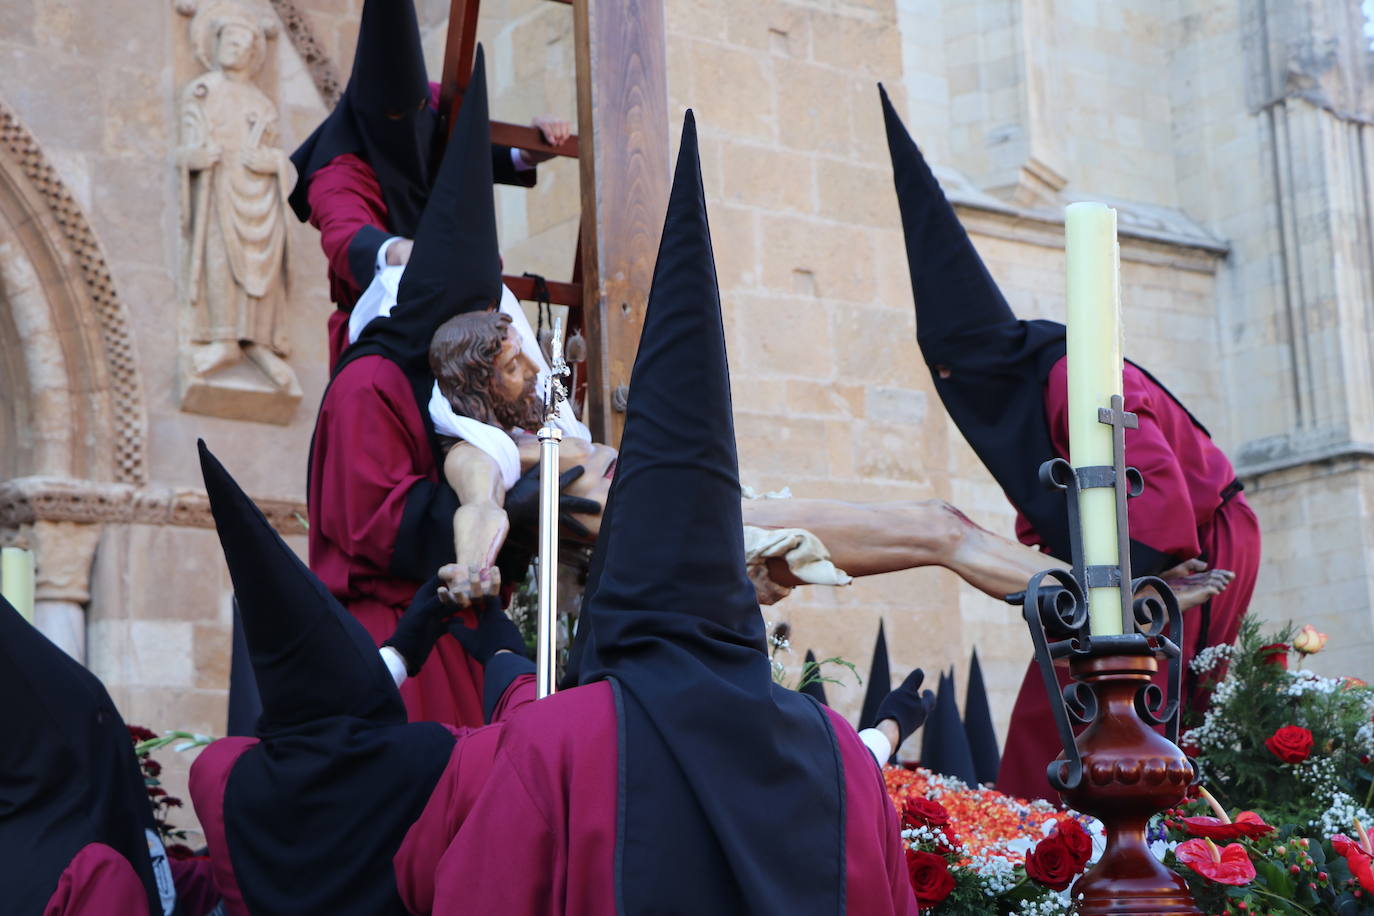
379	299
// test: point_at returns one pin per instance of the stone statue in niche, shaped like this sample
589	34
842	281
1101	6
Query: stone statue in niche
235	180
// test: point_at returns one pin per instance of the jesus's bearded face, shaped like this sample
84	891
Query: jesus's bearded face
514	401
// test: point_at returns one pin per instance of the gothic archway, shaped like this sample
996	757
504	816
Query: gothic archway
71	402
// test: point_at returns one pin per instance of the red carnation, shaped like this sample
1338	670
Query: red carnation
1229	865
1246	824
930	877
139	733
1052	863
1076	839
151	767
1276	653
918	811
1290	744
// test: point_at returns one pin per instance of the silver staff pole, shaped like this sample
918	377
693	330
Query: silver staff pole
549	438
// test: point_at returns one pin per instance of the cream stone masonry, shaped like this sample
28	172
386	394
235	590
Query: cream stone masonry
1232	137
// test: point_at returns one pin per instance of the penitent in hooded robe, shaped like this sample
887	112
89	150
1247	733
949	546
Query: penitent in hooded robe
366	171
305	816
1004	382
676	777
381	514
77	835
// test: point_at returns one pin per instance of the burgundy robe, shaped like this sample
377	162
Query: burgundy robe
371	446
345	198
98	882
1190	508
210	778
524	819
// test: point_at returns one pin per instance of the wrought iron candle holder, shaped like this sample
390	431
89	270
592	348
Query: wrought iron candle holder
1120	769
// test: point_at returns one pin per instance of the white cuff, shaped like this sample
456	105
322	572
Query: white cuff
877	744
396	665
381	251
517	159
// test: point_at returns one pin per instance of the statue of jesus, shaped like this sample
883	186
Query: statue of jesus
489	380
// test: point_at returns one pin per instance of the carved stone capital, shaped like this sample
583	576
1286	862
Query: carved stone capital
25	501
63	552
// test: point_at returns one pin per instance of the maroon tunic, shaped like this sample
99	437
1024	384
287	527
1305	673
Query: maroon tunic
98	882
1189	508
371	446
344	198
524	819
210	778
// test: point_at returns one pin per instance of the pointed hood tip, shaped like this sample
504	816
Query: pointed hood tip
311	659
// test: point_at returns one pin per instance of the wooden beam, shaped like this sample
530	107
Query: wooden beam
622	110
459	49
522	136
560	293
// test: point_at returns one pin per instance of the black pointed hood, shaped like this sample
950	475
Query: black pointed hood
879	680
988	367
70	774
816	688
709	740
311	659
944	746
337	761
244	703
455	266
982	737
383	116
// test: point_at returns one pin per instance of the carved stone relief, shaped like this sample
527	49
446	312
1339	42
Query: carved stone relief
235	180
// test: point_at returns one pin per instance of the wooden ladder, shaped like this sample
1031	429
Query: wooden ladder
622	103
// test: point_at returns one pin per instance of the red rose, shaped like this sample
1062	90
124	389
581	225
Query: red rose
1246	824
1276	653
1076	839
922	812
1052	863
1230	865
1290	744
930	877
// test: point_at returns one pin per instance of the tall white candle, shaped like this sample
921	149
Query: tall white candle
17	579
1094	352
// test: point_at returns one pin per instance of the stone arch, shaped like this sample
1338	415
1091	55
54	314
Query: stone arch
72	404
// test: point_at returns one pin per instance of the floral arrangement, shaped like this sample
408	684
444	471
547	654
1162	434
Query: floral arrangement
978	851
1293	750
1245	865
145	742
1287	744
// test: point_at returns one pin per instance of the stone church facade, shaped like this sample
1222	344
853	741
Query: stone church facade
1233	136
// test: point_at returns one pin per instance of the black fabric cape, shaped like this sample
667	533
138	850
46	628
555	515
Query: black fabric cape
70	777
455	267
384	116
988	367
746	772
314	812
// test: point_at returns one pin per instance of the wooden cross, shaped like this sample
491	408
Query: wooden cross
622	111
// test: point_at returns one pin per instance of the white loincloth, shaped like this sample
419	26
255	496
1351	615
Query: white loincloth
805	555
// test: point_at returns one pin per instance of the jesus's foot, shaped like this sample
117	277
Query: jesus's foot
211	357
271	364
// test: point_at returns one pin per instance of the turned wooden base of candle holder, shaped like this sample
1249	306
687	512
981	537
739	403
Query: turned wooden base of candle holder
1130	772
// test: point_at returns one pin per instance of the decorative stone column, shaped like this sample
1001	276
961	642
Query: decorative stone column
63	552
